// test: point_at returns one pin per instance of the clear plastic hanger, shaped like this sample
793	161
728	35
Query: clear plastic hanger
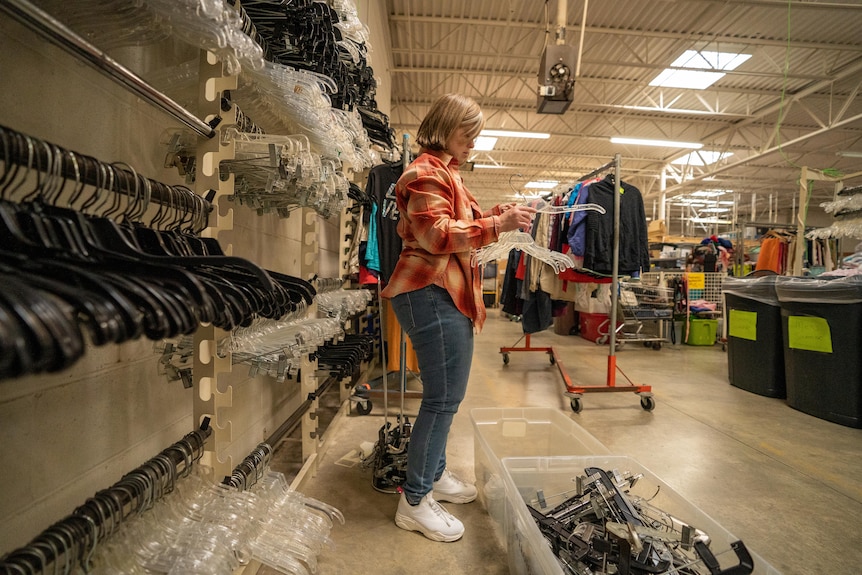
524	242
212	25
544	207
343	304
278	347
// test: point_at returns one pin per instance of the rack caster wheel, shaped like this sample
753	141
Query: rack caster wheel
505	359
656	346
363	407
647	403
576	404
553	361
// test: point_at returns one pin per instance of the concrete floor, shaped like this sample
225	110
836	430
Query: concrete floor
786	483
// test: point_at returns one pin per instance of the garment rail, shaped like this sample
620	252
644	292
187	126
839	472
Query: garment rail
73	540
296	417
19	150
576	391
95	262
58	34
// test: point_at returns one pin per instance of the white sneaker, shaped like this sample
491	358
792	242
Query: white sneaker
428	518
453	490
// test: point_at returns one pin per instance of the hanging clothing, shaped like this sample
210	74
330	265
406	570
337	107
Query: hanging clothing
384	241
576	233
772	255
634	243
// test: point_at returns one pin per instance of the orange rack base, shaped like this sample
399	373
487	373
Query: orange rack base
576	392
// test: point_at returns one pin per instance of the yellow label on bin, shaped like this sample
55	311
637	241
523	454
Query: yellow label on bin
696	280
809	333
743	324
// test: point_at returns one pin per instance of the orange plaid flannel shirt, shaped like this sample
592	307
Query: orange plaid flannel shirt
440	223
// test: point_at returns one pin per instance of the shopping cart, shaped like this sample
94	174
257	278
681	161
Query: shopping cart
698	295
641	303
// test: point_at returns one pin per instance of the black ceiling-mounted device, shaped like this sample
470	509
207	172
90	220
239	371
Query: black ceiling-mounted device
556	79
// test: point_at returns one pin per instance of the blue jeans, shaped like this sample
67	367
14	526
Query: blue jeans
443	340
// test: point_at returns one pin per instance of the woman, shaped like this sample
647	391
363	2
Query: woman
437	297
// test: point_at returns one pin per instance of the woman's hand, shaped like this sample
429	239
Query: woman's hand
516	217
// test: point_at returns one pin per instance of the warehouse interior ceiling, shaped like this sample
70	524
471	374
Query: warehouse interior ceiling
793	102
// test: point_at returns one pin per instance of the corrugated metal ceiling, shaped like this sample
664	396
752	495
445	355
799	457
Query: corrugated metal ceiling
491	49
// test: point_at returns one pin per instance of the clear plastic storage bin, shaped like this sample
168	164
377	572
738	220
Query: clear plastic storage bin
528	550
526	431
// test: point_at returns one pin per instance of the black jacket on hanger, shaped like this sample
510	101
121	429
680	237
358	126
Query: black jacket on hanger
634	244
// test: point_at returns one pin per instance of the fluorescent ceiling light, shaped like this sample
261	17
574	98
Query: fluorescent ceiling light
726	203
543	185
849	154
511	134
484	144
708	193
703	69
686	111
663	143
703	158
715	210
489	166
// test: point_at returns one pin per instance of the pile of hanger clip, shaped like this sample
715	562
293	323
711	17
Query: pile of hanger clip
604	530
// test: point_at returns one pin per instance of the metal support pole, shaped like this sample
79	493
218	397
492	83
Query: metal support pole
55	32
615	274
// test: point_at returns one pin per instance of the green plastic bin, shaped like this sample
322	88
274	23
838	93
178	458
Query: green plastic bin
701	331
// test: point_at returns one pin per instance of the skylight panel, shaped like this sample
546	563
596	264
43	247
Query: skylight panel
702	69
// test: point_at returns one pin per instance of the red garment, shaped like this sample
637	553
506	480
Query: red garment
440	224
366	276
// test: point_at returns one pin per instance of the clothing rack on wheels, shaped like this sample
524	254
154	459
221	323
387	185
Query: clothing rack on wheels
364	408
576	391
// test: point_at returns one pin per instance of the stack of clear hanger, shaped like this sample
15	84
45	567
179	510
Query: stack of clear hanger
280	173
363	156
847	208
348	21
523	241
208	24
298	102
343	304
207	528
276	348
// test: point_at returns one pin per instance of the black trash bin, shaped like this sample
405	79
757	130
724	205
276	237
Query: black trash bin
821	320
755	348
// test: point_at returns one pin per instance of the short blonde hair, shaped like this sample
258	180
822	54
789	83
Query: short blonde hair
447	114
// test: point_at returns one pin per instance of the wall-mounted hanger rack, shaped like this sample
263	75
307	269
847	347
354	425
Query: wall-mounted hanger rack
73	540
18	150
